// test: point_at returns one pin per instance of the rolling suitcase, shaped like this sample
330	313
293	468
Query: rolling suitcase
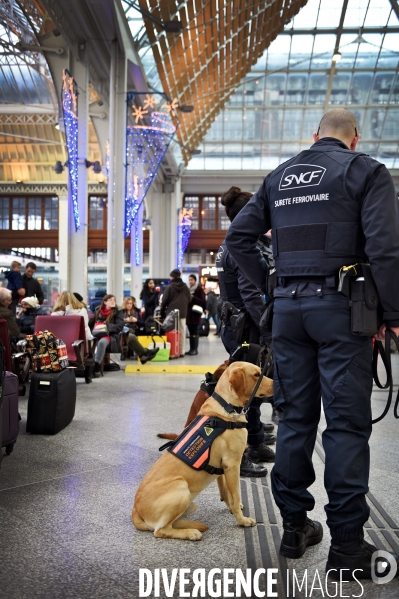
173	337
52	400
9	411
203	329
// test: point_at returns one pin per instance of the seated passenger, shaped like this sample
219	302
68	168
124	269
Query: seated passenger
106	324
30	309
72	304
132	320
132	315
7	314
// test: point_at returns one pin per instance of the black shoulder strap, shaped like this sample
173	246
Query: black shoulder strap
219	423
213	470
228	407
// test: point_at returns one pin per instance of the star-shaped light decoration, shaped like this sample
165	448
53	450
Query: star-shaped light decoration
138	113
149	101
171	106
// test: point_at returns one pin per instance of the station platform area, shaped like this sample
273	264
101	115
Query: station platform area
66	501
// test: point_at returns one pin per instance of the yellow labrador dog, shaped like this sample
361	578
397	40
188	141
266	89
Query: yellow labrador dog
169	488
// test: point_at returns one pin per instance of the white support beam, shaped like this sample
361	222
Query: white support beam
78	239
117	174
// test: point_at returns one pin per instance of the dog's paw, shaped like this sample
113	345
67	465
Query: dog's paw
248	522
193	534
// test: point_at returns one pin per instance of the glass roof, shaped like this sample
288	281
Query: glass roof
24	76
273	114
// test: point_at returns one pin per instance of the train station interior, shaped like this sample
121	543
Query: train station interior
122	122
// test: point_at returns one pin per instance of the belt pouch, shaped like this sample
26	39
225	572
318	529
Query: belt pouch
364	303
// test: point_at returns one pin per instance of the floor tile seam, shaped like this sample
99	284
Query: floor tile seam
47	480
270	542
122	464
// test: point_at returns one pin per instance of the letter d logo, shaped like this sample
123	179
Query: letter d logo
383	567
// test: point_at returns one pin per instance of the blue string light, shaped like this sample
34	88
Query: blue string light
147	141
71	124
183	234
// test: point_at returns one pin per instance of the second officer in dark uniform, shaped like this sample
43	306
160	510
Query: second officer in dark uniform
328	207
238	290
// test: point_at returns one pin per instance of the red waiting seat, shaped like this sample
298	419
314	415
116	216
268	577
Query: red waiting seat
71	329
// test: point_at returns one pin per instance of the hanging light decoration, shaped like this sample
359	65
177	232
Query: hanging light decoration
183	233
154	126
107	158
69	103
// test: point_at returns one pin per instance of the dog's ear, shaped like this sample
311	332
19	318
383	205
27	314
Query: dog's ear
237	379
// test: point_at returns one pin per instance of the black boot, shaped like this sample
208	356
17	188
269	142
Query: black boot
148	355
193	346
97	369
269	439
297	538
261	453
251	469
88	374
269	427
355	555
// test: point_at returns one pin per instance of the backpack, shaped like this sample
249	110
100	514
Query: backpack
47	352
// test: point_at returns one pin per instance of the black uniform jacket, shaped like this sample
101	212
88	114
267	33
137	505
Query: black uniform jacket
235	287
328	207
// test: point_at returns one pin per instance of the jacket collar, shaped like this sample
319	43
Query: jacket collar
330	141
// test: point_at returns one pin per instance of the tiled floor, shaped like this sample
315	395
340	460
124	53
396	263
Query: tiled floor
65	501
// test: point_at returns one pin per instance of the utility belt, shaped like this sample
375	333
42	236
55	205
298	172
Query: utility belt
355	282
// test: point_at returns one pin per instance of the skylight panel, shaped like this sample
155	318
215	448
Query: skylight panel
329	14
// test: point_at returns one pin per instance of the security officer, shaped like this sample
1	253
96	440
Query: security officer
239	291
328	207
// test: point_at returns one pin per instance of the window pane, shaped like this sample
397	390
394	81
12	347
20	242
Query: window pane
51	213
34	214
4	213
192	202
360	88
224	220
382	88
96	213
208	213
340	88
18	214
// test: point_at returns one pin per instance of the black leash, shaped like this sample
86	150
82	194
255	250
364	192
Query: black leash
385	353
266	367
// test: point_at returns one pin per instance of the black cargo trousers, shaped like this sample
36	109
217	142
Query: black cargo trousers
317	359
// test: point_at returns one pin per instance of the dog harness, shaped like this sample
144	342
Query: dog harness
193	445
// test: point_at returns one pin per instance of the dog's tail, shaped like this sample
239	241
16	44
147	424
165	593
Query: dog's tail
138	521
171	436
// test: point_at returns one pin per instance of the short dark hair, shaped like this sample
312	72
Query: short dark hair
338	121
192	277
175	273
31	265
